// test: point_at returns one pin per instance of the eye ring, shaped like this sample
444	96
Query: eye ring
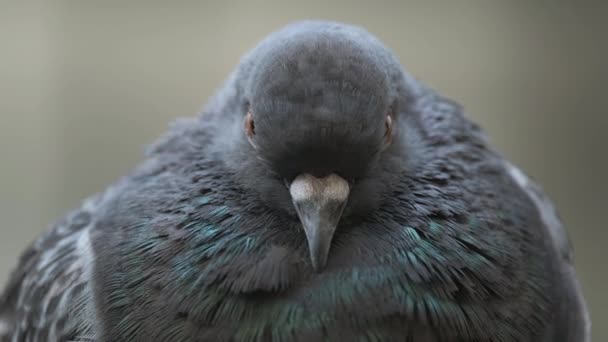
249	127
389	125
388	134
249	124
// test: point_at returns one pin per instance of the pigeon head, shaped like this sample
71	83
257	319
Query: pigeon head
319	105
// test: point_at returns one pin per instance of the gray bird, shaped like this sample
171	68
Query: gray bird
322	195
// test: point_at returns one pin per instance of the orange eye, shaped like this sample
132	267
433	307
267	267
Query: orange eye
388	135
249	125
249	128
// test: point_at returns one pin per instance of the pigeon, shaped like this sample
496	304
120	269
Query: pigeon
323	194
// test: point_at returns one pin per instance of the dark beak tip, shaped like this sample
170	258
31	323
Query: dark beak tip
318	266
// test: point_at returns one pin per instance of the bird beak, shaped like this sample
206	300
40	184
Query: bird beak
319	203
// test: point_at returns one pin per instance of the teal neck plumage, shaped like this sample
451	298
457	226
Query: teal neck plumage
250	273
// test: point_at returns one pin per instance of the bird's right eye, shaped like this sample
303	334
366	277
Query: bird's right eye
249	125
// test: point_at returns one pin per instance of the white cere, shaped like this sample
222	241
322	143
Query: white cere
307	187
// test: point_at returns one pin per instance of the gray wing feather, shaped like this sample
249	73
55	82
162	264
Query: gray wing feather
573	308
48	296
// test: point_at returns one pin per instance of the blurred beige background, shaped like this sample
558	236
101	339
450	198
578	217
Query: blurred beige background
85	85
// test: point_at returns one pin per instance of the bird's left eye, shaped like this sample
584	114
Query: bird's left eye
388	134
